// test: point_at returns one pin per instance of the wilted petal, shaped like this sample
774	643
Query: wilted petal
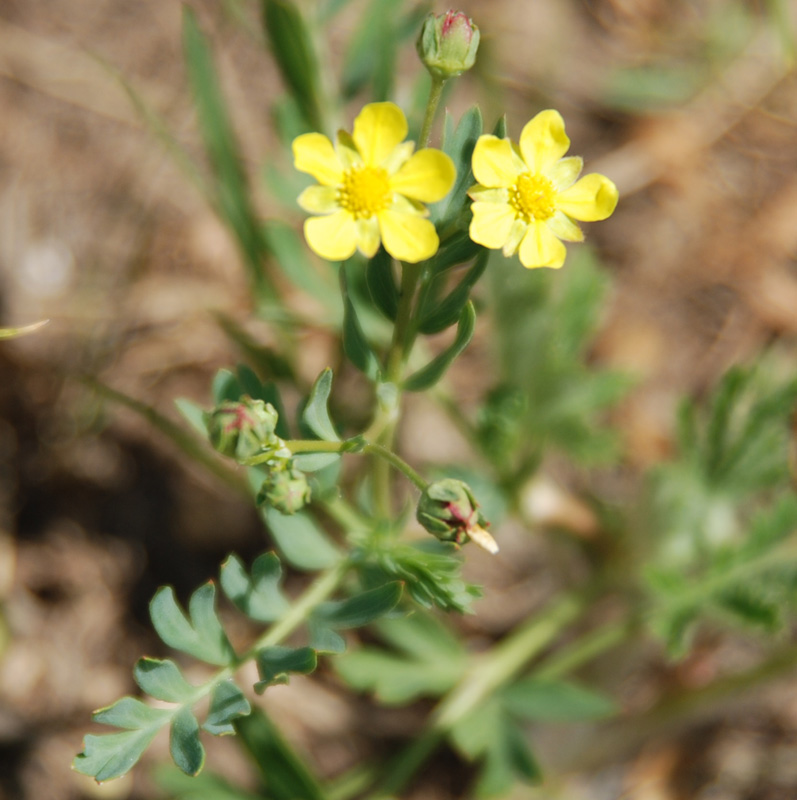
368	236
592	198
565	228
428	176
313	153
540	248
543	141
318	199
491	224
333	237
495	164
564	172
408	237
378	129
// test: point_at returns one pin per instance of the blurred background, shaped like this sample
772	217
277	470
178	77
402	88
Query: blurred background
690	107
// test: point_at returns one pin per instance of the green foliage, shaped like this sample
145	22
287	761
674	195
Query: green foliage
300	540
316	414
555	701
355	345
276	662
259	596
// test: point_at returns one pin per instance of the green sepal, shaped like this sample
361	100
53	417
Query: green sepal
316	412
162	680
434	370
184	745
381	283
258	596
202	636
227	703
275	663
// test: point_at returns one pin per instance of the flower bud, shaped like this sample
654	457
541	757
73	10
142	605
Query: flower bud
285	488
448	44
242	429
449	511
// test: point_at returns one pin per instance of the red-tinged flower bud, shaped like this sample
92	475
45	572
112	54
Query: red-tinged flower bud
448	44
449	511
242	429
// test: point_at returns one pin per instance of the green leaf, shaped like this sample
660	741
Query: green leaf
112	754
284	773
274	664
434	370
163	680
232	199
361	609
303	544
556	701
207	786
382	283
313	462
132	714
371	55
193	414
186	749
355	345
202	636
459	146
443	313
225	387
227	703
292	47
316	413
258	596
323	639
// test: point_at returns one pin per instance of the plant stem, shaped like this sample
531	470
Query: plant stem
399	463
435	93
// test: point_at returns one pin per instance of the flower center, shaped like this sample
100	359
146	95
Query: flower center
532	197
364	191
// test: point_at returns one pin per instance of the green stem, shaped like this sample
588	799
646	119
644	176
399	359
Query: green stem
399	463
435	94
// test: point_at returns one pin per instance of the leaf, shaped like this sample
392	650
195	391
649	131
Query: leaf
112	754
323	639
193	414
186	749
132	714
258	596
207	786
292	47
162	680
284	773
382	283
313	462
202	637
556	701
316	413
362	608
447	311
232	199
225	387
355	345
227	703
459	146
303	544
371	55
274	664
434	370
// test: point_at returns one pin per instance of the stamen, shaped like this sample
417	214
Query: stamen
532	197
365	191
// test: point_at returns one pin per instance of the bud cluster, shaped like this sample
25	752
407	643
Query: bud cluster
448	44
245	429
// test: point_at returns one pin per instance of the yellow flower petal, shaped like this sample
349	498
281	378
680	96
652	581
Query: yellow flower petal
564	228
313	153
540	248
378	128
347	151
515	237
592	198
400	155
495	164
368	236
543	141
318	199
491	224
428	176
564	172
408	237
484	195
333	237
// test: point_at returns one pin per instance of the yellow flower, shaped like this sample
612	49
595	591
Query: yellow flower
372	188
527	196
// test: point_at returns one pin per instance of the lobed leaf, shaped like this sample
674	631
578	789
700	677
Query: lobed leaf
112	754
162	680
275	663
258	596
227	703
303	544
132	714
184	745
362	608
